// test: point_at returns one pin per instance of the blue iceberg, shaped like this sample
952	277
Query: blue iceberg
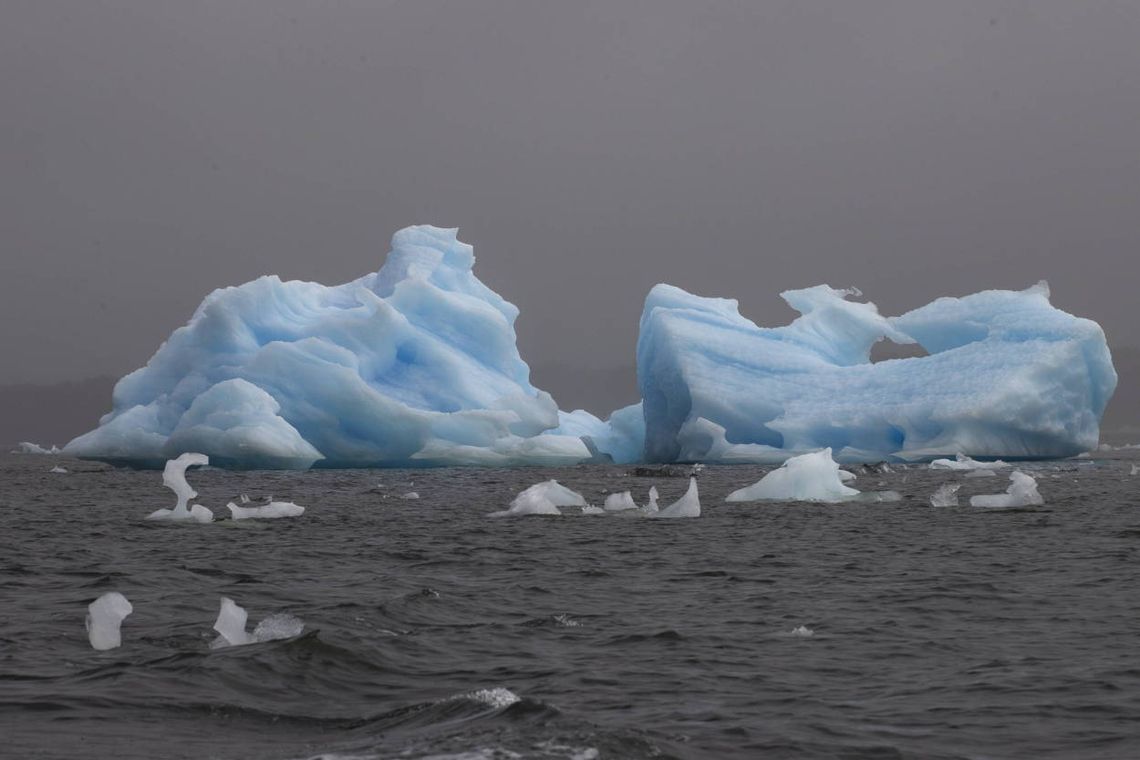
1006	375
414	365
417	365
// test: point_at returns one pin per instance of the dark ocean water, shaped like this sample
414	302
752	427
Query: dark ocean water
433	631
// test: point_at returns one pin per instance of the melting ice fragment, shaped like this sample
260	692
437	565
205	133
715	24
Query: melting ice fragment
58	470
104	617
1022	492
808	477
651	508
803	632
946	495
270	511
963	462
174	478
410	495
543	499
231	623
688	505
617	502
27	447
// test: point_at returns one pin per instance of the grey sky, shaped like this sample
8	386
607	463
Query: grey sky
151	151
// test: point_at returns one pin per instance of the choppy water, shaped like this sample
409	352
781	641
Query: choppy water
432	631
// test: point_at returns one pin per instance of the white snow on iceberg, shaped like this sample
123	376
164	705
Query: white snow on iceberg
413	365
1007	375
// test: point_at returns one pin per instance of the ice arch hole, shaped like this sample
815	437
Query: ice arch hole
884	350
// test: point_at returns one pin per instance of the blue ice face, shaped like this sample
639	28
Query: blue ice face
1008	375
416	364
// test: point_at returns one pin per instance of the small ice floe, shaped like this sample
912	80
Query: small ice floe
174	478
618	502
591	510
808	477
962	462
410	495
58	470
104	616
946	495
270	511
231	621
1022	492
543	499
803	632
1135	469
27	447
688	505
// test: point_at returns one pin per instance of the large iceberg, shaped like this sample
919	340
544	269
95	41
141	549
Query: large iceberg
413	365
417	365
1007	375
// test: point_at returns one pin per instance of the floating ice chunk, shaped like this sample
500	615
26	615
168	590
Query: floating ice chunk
808	477
980	474
1022	492
803	632
1135	469
58	470
104	617
688	505
231	623
651	508
1007	375
590	510
617	502
963	462
543	499
946	495
270	511
27	447
410	495
174	478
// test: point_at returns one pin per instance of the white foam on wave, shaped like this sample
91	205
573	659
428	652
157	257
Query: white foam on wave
497	697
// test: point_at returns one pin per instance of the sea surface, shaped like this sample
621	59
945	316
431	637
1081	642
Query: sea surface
777	630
